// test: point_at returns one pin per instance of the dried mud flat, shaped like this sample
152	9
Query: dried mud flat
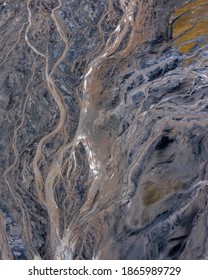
103	129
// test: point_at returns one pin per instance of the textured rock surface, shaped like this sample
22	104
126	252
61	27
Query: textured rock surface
103	129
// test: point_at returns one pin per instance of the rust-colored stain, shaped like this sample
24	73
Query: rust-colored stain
190	25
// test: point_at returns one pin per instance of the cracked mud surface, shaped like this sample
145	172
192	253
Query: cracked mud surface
103	129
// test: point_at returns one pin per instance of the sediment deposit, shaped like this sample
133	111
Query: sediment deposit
103	129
